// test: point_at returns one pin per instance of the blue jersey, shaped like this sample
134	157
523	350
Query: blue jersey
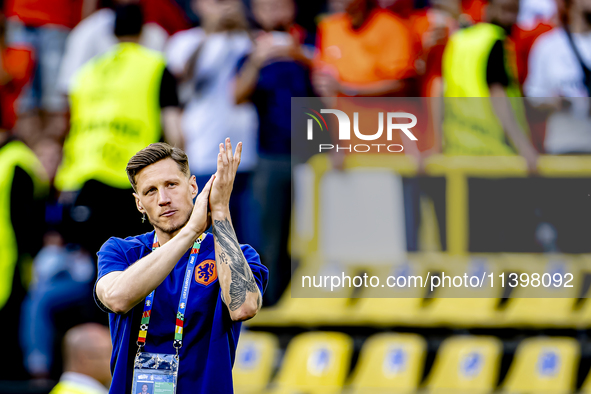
209	335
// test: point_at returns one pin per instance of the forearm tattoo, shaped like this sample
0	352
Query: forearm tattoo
242	280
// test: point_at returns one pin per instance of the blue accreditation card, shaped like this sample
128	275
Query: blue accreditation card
155	373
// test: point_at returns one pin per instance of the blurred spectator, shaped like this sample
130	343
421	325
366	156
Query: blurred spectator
95	36
23	187
49	152
206	59
87	351
479	62
472	11
370	52
336	6
278	16
166	14
403	8
60	295
559	68
366	51
16	70
118	103
270	76
44	26
533	12
433	26
524	39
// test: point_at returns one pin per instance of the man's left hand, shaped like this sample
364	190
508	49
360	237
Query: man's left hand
221	190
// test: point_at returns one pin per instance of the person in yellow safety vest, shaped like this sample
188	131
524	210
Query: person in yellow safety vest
478	63
87	353
119	102
23	189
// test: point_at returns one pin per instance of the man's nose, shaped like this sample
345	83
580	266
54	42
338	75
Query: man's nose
163	198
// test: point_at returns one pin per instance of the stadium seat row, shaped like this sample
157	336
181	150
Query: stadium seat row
529	305
319	362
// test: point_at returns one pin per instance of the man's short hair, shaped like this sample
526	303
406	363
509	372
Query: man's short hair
154	153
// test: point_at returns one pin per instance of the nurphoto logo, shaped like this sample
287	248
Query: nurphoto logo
394	122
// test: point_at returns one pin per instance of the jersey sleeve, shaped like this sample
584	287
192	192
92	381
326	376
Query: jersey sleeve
259	271
110	259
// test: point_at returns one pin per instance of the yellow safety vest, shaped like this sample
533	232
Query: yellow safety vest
470	124
13	154
72	388
115	112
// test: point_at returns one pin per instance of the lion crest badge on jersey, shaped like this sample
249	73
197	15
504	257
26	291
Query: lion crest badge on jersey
205	272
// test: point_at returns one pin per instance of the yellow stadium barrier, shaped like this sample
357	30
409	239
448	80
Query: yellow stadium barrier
389	363
466	364
536	300
315	363
255	359
456	170
544	365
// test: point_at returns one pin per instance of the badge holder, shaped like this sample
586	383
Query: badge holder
157	373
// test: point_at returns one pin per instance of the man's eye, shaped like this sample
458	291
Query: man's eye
171	184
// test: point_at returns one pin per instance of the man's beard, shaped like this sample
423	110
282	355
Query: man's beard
172	229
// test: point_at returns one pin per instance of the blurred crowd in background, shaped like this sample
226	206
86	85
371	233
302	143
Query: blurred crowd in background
192	72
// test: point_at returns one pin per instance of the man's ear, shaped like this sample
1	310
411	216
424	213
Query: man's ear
138	204
194	187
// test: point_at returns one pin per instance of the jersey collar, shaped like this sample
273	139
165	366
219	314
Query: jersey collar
206	246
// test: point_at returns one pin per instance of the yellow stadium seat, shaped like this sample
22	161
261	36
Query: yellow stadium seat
320	307
466	364
472	306
581	318
315	363
387	306
389	363
543	365
540	304
255	358
586	388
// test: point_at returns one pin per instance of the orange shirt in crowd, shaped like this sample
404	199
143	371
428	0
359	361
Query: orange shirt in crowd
382	49
43	12
18	63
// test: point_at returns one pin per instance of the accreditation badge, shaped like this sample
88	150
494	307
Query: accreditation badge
155	373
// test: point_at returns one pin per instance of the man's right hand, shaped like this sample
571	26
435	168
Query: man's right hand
200	219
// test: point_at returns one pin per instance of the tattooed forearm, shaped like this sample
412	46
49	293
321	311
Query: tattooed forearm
231	254
224	258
